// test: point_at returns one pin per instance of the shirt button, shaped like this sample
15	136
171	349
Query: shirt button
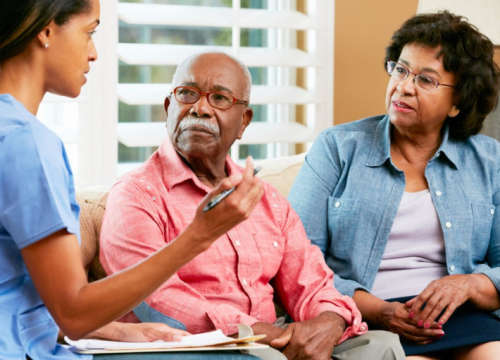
452	268
237	243
154	198
439	193
148	187
492	211
355	322
275	205
448	224
274	195
275	244
245	282
337	204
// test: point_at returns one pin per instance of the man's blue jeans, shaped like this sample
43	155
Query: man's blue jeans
206	355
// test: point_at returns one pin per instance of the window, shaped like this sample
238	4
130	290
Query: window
119	121
289	83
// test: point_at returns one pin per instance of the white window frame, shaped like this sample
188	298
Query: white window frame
99	130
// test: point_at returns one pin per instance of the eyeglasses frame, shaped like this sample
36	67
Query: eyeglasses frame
410	72
207	94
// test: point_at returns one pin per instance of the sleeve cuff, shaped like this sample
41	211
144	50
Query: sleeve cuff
492	273
225	318
347	287
355	325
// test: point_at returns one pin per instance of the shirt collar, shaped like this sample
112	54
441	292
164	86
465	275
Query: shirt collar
175	170
380	150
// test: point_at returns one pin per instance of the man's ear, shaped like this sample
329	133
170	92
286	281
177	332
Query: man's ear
246	119
166	104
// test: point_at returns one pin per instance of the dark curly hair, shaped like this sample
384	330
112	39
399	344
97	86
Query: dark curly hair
22	20
467	54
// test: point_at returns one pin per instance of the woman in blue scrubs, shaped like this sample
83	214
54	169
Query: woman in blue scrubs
46	46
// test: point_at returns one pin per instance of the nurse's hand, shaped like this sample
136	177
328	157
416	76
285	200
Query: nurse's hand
394	317
237	207
143	332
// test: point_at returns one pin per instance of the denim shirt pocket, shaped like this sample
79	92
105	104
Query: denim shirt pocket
482	215
342	224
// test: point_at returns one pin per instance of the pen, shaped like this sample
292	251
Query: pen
218	198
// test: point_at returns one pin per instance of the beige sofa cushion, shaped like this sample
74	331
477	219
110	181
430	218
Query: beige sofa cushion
279	172
92	206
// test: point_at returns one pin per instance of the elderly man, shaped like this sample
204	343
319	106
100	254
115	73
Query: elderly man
267	257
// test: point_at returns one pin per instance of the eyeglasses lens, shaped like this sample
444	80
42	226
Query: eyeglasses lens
186	95
400	73
425	82
190	96
221	101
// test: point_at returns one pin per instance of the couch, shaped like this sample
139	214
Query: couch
280	172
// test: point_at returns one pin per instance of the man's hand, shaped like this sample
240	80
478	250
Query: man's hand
144	332
311	339
394	317
272	332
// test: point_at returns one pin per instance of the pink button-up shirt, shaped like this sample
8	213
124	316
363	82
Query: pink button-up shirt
236	279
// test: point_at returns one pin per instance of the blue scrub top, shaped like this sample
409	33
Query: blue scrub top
37	198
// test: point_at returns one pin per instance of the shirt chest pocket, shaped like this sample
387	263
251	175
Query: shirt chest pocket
482	215
271	249
343	221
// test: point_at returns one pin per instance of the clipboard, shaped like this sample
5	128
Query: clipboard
231	347
211	341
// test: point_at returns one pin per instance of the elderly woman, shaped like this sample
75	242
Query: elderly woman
404	206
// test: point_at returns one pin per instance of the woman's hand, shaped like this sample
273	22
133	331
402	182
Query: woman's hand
445	294
143	332
394	317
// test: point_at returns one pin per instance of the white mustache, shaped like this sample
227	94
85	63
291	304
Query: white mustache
190	121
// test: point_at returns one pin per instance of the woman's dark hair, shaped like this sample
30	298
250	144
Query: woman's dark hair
467	54
22	20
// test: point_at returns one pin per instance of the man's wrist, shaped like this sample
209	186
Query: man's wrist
336	318
272	332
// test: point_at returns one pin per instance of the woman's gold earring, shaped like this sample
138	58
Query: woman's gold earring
46	45
454	112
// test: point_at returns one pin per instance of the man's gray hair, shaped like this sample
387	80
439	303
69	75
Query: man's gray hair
248	77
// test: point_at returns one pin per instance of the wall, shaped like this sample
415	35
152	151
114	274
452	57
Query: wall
363	29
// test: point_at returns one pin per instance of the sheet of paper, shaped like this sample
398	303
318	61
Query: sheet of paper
198	340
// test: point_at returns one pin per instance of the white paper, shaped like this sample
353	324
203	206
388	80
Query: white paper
205	339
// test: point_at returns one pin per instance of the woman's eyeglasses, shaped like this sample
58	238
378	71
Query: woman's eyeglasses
216	99
400	72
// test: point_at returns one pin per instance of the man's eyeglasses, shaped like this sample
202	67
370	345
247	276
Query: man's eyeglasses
399	72
216	99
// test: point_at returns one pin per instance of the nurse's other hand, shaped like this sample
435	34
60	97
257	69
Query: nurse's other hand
143	332
394	317
147	332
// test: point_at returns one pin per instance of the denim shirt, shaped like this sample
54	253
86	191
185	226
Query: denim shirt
348	192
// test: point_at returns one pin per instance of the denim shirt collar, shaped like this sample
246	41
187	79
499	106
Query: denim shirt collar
380	150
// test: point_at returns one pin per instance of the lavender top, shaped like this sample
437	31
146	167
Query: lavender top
414	254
